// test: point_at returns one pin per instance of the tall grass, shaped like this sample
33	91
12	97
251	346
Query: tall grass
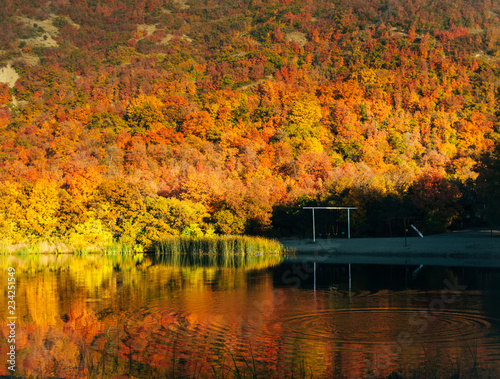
222	245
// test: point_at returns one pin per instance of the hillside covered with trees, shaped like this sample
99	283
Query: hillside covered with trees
135	120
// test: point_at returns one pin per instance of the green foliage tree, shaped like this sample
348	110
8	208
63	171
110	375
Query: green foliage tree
226	222
165	217
60	22
192	230
178	214
143	112
106	120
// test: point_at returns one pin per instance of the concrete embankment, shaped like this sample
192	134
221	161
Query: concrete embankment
472	248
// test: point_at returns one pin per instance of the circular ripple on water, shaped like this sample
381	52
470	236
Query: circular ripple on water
380	325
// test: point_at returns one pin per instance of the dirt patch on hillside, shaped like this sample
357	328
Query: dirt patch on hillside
476	31
167	39
8	75
45	40
397	33
148	28
186	38
487	57
182	4
298	37
43	32
30	59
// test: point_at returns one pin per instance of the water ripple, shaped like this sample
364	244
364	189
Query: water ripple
382	325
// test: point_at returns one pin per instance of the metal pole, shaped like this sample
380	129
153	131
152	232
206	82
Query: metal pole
348	224
349	277
314	228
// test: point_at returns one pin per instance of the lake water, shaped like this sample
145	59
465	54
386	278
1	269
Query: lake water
99	316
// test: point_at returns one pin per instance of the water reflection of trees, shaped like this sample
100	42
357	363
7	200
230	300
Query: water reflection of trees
100	316
79	315
247	261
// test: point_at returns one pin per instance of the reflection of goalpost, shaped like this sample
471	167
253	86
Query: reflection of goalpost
348	219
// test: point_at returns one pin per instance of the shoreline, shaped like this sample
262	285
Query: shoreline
471	247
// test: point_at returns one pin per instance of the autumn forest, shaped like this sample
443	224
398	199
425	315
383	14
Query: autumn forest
128	121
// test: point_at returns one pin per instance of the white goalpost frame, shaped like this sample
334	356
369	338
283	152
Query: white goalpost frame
348	219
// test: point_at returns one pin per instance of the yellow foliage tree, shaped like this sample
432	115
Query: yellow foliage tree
10	212
303	124
42	203
90	234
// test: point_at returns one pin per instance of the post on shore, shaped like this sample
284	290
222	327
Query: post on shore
348	219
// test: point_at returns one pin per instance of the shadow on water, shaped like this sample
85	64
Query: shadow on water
374	277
